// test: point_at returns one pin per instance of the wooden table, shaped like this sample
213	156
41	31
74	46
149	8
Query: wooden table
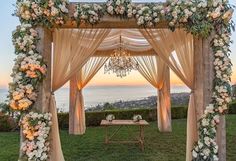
125	123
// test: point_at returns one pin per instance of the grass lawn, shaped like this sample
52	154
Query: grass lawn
90	147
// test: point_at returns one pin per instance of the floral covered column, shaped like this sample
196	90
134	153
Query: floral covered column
44	47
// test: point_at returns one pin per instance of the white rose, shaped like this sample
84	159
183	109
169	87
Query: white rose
110	10
194	153
118	2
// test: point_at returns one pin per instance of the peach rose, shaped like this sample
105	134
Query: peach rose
228	15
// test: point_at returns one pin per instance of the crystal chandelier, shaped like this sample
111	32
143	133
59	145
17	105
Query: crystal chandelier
120	62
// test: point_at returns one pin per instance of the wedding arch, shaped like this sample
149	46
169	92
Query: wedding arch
59	41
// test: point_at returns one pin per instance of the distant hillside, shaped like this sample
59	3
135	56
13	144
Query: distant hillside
177	99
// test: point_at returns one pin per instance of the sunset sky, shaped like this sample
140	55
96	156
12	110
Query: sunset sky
9	23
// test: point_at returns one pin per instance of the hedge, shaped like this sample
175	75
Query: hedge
7	123
232	108
94	118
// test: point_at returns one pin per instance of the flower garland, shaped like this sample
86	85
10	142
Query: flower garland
88	13
29	69
36	128
42	12
149	15
122	8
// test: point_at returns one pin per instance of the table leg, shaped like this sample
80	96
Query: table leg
106	136
141	135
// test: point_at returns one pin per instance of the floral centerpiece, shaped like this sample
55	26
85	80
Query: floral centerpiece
36	128
122	8
110	117
137	118
88	13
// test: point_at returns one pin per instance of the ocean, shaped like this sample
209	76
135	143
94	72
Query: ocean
94	95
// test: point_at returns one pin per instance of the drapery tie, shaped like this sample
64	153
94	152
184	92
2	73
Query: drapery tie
163	111
79	112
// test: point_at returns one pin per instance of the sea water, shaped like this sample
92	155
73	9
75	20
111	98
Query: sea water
94	95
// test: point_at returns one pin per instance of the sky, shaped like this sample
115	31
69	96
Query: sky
9	23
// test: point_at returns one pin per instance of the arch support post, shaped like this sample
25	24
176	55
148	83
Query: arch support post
204	76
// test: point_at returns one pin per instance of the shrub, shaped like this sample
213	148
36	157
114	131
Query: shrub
94	118
179	112
232	108
7	123
63	120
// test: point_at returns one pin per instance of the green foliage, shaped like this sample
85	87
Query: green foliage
4	108
94	118
108	106
7	123
232	108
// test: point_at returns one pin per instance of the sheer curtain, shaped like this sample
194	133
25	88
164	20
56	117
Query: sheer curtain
80	80
72	48
164	42
156	72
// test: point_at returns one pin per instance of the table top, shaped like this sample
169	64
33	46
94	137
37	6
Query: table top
123	122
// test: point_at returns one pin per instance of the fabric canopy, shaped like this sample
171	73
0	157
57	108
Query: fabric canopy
134	42
77	112
157	73
174	50
164	42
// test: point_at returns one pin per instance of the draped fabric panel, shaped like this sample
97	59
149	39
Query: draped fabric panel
176	49
77	111
133	40
157	73
72	49
68	58
56	151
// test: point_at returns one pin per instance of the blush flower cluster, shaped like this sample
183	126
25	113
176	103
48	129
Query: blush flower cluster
36	128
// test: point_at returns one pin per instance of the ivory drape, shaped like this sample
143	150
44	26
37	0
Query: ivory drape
68	58
164	42
77	112
156	72
73	48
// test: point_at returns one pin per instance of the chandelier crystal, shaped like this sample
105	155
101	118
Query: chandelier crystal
120	62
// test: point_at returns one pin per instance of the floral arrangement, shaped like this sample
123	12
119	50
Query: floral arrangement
122	8
29	69
149	15
42	12
88	13
110	117
137	118
201	23
36	128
